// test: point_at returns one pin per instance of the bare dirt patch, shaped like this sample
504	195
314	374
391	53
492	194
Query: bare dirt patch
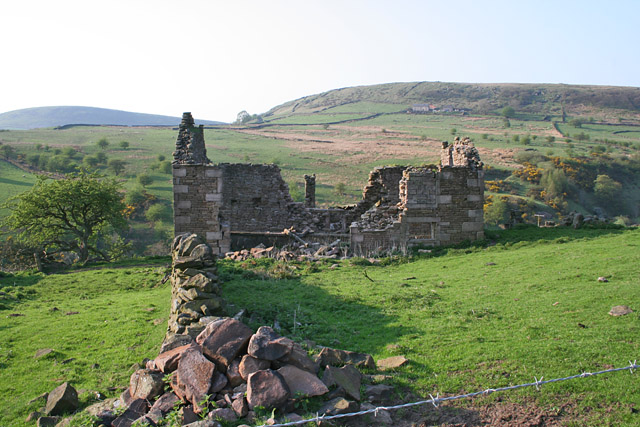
478	413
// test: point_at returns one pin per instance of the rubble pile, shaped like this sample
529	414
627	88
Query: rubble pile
228	371
576	219
379	217
297	251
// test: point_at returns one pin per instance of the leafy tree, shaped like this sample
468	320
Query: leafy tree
103	143
145	180
508	112
102	158
166	167
242	117
161	158
70	152
606	189
454	131
90	161
581	136
340	188
526	140
124	144
60	163
117	166
33	159
70	214
576	123
496	212
7	151
555	182
551	138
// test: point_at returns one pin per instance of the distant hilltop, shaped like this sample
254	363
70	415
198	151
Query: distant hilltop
478	98
43	117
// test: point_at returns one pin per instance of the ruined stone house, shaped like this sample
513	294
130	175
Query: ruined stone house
240	205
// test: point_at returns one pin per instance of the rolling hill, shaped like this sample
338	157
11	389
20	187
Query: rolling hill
479	98
43	117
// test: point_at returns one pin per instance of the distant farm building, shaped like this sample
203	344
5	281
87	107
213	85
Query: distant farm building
423	108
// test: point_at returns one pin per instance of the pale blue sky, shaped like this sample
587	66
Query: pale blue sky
215	58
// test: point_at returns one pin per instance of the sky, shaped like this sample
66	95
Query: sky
217	58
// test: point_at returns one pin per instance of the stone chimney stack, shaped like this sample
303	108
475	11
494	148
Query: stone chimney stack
190	148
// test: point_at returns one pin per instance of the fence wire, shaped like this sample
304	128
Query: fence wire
435	401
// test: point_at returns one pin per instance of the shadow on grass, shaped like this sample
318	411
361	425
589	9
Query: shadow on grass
13	182
272	294
532	233
15	289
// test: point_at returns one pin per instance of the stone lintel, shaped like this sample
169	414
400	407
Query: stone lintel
213	172
180	189
472	226
183	219
214	235
184	204
420	219
213	197
444	199
179	171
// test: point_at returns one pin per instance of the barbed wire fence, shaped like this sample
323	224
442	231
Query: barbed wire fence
435	401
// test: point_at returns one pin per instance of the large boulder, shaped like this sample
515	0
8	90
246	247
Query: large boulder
249	365
174	341
335	357
168	361
162	406
63	398
192	379
145	384
225	342
302	383
135	411
268	389
347	378
298	357
266	344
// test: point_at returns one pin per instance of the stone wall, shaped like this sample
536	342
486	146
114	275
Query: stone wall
400	207
438	206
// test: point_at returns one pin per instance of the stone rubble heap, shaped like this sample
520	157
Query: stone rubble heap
379	217
228	371
298	251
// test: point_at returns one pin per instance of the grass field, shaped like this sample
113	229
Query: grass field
467	319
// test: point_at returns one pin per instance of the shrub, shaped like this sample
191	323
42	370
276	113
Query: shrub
158	212
145	180
103	143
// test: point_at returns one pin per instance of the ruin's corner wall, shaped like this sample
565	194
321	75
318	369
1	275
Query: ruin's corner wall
437	207
197	198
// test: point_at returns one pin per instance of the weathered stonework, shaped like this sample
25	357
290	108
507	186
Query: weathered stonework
401	206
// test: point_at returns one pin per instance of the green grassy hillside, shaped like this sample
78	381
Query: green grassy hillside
467	319
544	99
